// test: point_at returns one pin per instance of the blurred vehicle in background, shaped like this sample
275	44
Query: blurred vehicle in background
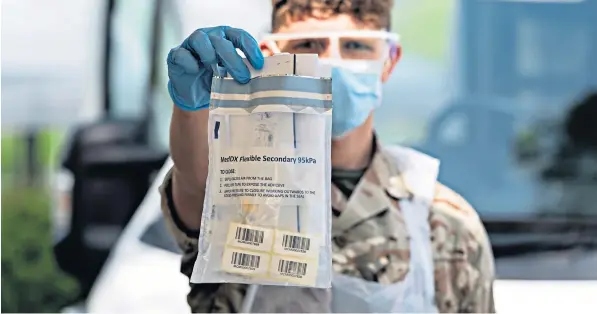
108	164
493	108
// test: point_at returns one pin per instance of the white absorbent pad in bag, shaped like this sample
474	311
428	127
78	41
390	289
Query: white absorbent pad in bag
267	211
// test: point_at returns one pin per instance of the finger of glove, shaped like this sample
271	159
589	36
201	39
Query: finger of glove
181	61
200	45
242	40
229	58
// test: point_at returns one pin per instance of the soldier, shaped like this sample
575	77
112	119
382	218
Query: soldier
405	242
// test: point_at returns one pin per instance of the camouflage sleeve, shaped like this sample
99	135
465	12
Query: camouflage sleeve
480	297
470	267
202	298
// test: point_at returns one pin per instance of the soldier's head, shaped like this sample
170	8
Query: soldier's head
353	35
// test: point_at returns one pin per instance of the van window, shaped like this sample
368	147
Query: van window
161	105
130	57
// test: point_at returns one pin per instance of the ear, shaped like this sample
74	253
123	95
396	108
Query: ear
389	66
266	49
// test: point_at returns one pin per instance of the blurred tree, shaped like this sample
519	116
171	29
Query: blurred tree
573	165
14	152
425	26
31	282
581	129
580	141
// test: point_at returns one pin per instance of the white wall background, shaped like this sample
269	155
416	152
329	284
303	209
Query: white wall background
51	54
251	15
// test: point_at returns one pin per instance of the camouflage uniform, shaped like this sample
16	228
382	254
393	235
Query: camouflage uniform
372	242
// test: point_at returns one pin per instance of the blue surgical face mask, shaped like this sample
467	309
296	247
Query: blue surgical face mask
356	91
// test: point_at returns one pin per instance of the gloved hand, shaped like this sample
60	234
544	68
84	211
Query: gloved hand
191	65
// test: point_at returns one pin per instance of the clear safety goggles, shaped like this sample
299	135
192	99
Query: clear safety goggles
347	45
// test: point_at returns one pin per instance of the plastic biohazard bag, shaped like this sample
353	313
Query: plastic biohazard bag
267	211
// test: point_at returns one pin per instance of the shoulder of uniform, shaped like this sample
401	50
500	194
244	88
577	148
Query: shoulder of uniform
459	233
451	201
456	213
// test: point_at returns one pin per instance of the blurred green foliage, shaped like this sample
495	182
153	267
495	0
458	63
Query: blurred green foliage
14	149
425	27
31	280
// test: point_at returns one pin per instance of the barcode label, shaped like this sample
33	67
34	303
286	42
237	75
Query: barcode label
295	244
292	268
295	270
244	262
250	237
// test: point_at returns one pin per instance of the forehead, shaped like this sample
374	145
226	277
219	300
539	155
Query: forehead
340	22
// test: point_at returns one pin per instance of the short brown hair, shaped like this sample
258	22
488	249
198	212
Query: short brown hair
375	13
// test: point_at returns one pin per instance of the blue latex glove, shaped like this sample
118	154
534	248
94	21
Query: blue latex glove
191	65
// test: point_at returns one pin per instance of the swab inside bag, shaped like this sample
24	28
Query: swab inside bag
267	210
